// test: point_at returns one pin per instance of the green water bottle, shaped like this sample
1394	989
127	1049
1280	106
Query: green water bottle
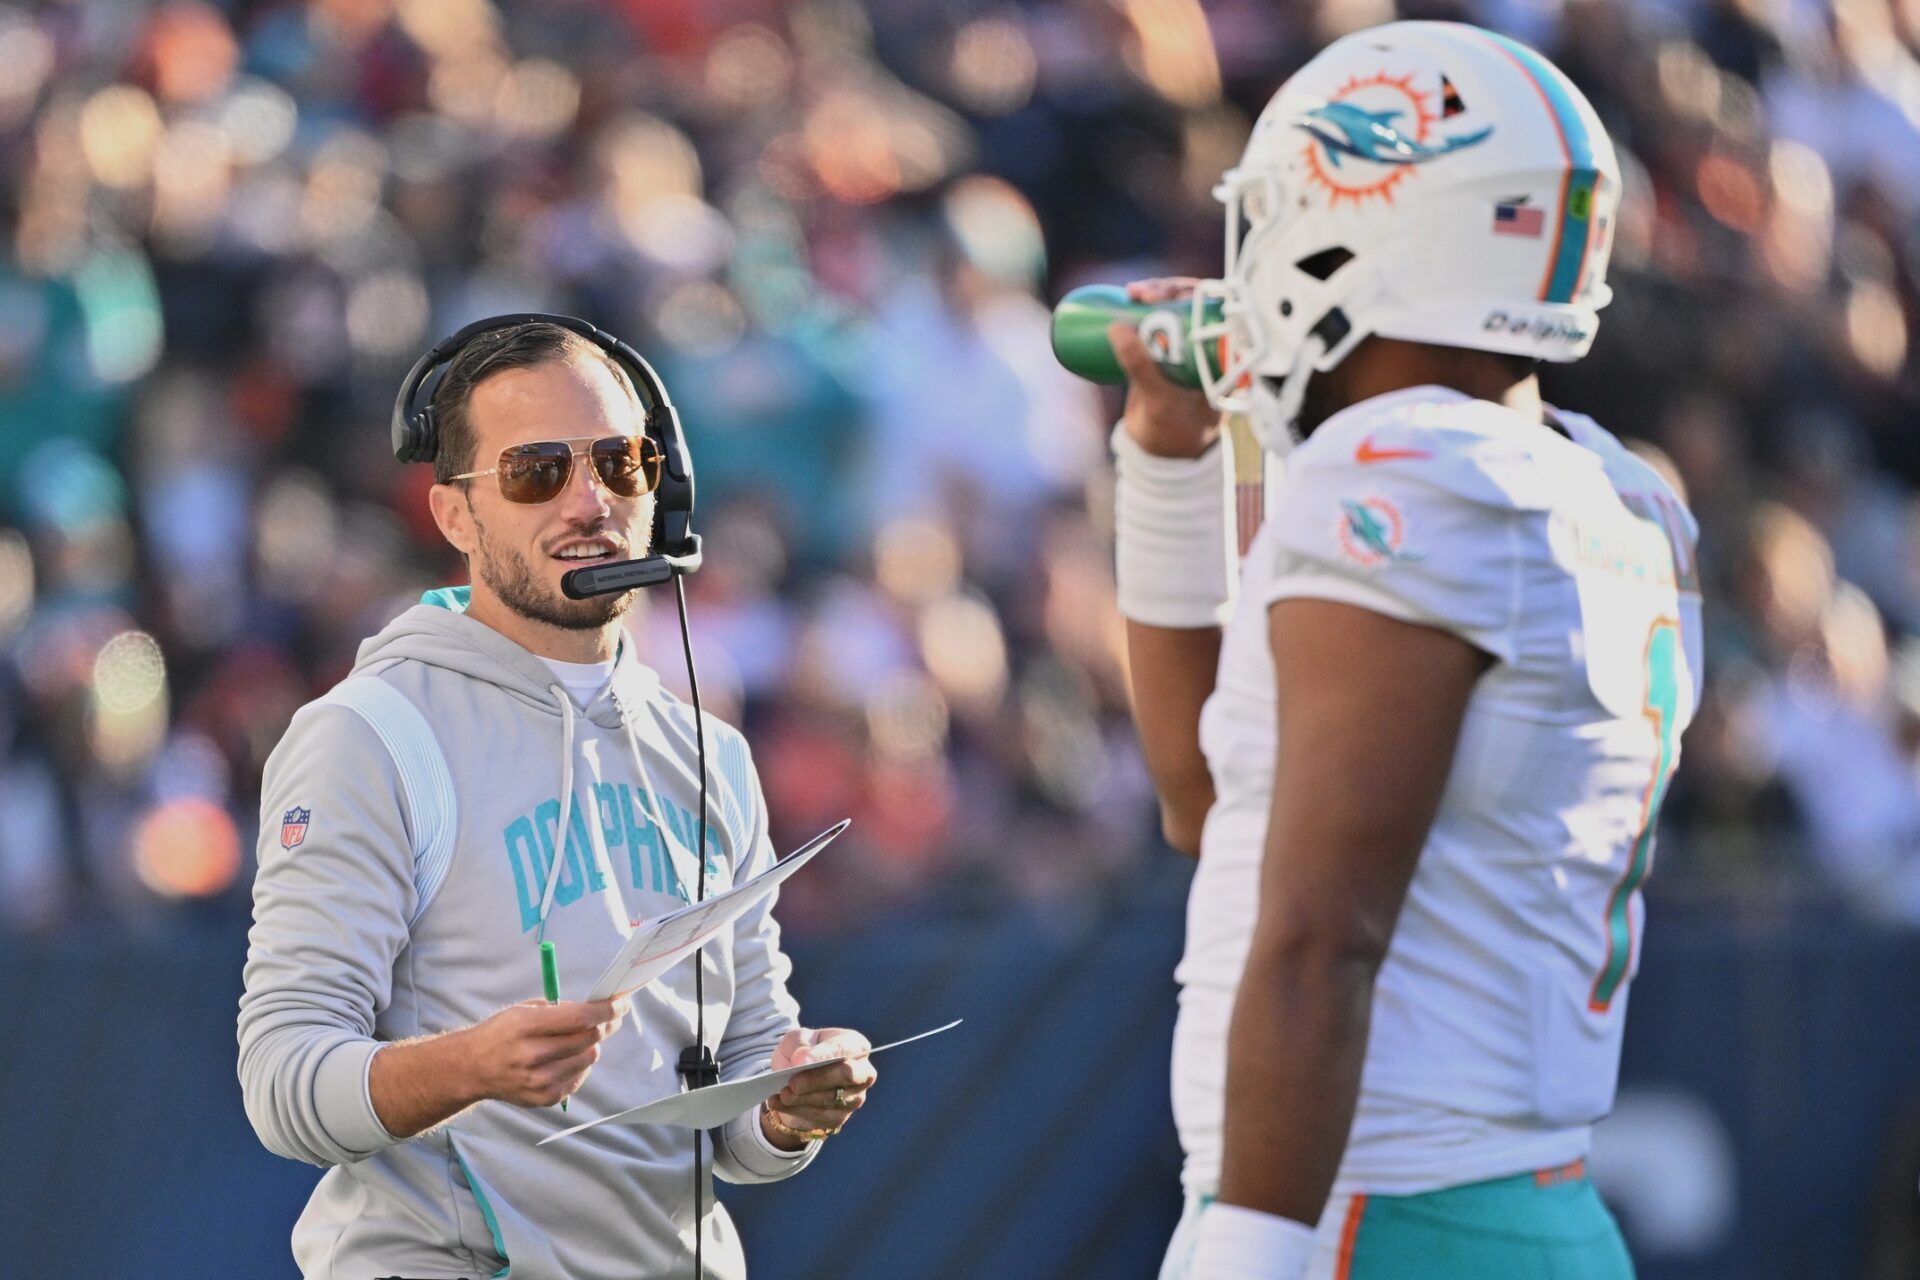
1080	334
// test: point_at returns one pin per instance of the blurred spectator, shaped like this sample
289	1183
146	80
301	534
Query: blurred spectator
226	229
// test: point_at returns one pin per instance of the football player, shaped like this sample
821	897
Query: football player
1420	738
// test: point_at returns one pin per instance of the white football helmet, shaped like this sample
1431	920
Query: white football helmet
1427	181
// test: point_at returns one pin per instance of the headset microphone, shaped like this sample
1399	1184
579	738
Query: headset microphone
603	579
625	575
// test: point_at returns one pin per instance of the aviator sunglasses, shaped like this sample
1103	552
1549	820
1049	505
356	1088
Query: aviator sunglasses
538	471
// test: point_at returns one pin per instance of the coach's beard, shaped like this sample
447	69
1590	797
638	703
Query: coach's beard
509	576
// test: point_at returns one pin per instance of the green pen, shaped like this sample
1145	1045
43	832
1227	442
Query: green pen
550	979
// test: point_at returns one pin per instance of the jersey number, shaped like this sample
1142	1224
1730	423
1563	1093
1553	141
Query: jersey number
1662	708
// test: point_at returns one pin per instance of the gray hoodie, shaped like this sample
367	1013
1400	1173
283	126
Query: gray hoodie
409	819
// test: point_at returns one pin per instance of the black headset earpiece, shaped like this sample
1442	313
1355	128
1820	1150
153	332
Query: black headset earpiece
415	434
676	547
673	523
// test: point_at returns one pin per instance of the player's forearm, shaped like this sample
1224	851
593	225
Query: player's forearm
1174	568
417	1084
1294	1055
1172	671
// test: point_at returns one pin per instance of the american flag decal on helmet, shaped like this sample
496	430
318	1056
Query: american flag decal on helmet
1514	218
293	826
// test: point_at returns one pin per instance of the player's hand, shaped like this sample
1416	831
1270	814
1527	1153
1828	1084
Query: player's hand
533	1054
1162	416
822	1100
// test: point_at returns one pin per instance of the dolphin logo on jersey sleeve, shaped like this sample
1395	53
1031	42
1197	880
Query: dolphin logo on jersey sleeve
1373	532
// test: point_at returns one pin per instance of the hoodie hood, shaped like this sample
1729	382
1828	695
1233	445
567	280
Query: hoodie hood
438	632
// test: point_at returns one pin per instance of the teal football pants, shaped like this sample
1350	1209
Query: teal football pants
1549	1225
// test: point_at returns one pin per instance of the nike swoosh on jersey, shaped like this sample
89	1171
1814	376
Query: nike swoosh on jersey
1368	453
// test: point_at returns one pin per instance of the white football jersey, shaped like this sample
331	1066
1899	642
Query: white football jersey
1497	1015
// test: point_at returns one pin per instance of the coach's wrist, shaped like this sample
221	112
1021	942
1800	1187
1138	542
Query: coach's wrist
1237	1243
470	1077
413	1085
780	1136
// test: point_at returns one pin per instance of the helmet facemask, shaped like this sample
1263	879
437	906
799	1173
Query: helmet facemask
1271	320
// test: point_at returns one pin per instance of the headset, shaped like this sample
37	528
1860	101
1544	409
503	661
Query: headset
676	547
676	552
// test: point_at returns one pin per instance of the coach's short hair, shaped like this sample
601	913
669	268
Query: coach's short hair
521	346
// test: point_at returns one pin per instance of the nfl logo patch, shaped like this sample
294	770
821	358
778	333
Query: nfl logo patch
293	826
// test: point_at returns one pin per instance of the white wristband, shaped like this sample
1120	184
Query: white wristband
1237	1243
1173	550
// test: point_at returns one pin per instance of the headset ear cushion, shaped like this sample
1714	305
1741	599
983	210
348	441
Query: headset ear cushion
423	436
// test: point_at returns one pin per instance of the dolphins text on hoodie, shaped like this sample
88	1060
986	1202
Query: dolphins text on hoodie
408	823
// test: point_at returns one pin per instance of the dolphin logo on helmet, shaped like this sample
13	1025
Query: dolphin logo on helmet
1344	129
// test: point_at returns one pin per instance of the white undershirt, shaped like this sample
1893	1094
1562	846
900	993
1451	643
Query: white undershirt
583	680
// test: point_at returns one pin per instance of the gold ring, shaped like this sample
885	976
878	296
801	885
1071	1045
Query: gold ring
840	1097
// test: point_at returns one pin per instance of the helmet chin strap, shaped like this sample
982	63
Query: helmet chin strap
1275	416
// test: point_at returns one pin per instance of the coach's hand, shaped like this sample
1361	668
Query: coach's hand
534	1053
1162	416
817	1103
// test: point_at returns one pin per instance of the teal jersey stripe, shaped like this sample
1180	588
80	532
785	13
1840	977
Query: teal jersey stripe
1663	708
1576	205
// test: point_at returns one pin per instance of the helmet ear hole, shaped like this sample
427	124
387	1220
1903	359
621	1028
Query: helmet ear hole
1286	307
1333	329
1323	264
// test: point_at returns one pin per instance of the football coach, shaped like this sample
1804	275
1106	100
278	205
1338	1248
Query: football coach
500	770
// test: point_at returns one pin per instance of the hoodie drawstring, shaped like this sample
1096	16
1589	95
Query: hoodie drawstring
566	805
594	834
656	813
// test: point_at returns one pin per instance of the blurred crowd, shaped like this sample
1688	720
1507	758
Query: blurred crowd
226	230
